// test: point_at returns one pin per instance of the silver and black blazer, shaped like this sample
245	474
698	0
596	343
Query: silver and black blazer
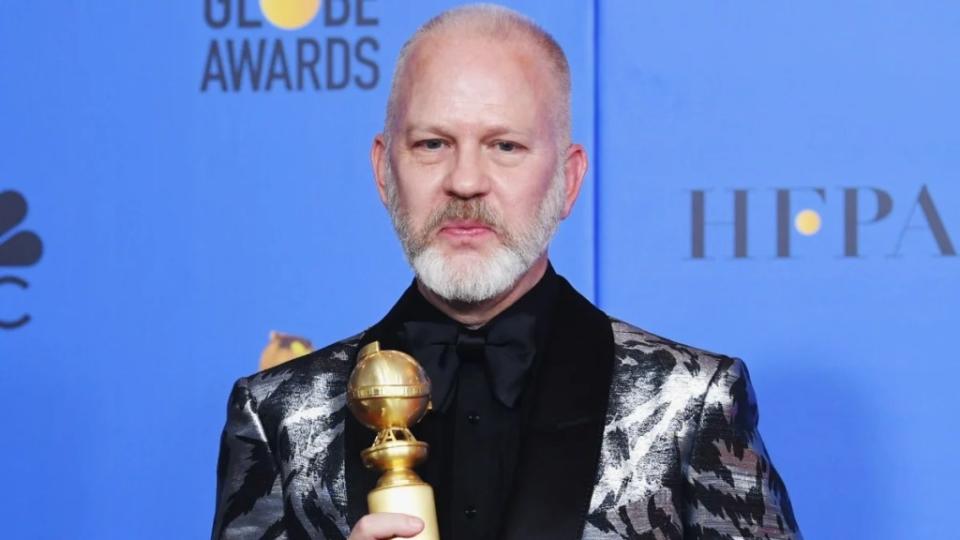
631	436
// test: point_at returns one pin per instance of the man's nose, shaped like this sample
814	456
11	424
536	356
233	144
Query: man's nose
468	178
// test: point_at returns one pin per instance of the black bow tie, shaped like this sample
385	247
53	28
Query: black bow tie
506	346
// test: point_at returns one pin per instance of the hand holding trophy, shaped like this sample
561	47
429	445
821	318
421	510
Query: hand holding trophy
388	392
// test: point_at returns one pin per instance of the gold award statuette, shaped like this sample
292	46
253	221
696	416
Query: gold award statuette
388	392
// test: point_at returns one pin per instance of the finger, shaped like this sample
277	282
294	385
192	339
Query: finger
385	525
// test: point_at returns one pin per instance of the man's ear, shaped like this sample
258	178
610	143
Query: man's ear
574	169
378	160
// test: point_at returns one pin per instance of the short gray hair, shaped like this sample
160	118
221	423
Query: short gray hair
493	21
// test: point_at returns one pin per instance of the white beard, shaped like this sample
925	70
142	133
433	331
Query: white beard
472	277
468	277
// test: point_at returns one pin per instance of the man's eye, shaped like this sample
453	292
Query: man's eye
506	146
431	144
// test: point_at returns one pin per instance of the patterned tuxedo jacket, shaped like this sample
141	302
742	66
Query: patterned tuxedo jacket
634	436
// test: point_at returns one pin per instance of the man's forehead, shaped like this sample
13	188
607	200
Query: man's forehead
446	49
505	82
450	113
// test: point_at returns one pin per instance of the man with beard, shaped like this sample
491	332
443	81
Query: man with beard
550	420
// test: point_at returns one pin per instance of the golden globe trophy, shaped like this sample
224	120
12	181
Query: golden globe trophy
388	392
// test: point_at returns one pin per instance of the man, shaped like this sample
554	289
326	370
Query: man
550	419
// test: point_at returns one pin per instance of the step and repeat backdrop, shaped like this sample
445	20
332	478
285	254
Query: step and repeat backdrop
185	194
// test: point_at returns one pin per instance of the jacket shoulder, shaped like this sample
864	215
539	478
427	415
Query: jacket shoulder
297	413
317	376
681	453
631	342
656	397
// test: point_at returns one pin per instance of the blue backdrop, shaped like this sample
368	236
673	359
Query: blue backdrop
769	180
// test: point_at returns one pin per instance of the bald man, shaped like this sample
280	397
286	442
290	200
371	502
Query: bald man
551	420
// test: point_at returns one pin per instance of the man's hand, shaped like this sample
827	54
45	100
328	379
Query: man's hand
383	526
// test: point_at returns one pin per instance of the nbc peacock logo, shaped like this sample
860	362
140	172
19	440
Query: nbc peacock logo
18	248
313	45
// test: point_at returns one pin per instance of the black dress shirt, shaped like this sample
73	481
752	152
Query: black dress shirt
475	431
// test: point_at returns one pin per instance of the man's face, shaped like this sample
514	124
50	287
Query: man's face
475	173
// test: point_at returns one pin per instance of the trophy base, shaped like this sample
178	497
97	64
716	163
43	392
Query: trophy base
413	499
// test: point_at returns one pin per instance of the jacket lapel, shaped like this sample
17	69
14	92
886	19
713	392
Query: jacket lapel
565	421
359	479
